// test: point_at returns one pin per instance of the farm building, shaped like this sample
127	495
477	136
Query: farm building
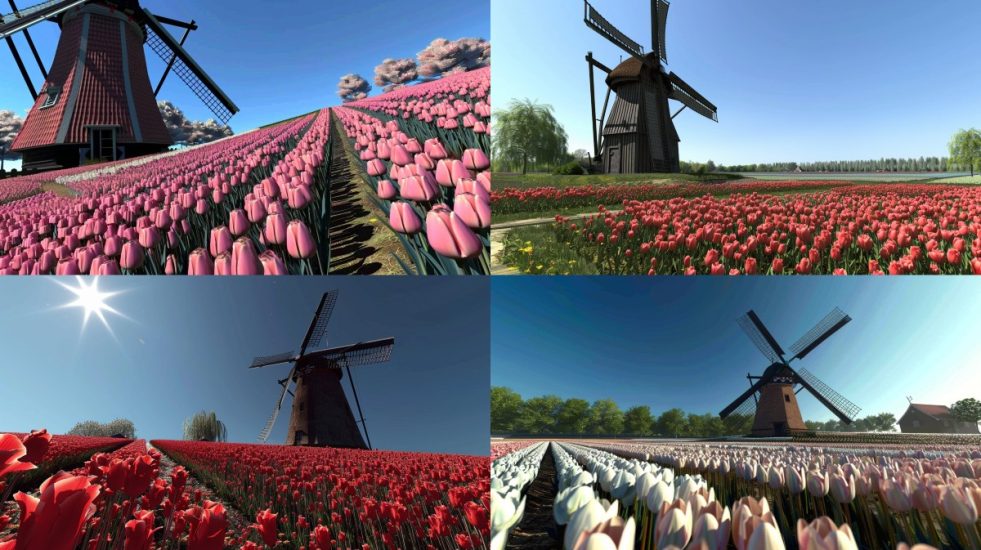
920	418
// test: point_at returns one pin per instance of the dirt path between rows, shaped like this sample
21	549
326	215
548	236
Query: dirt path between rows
237	522
538	529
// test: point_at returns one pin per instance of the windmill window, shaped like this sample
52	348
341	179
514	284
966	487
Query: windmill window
786	398
53	93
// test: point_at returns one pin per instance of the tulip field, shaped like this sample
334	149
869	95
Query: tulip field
758	228
299	497
260	203
751	495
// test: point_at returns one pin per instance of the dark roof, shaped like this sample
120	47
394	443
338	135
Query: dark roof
936	411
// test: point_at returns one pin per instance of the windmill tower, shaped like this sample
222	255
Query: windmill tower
772	396
639	134
96	102
321	414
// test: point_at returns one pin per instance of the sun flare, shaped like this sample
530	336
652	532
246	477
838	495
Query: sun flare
91	300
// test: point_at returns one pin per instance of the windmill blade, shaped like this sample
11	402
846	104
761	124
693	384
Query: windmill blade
606	29
740	401
683	92
268	360
264	434
318	327
28	17
843	408
659	22
821	332
761	337
354	355
163	44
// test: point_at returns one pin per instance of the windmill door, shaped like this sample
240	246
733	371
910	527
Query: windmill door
102	140
613	160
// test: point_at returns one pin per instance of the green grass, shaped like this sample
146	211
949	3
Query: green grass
870	177
528	181
534	250
963	180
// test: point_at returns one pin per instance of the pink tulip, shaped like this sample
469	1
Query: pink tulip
272	264
403	218
223	264
475	211
299	241
449	236
133	256
199	263
275	230
416	188
220	241
476	160
238	222
376	167
386	190
245	261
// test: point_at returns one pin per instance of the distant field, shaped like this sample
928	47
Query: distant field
509	180
962	180
947	177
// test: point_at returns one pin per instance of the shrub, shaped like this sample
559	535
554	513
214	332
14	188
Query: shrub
119	427
573	168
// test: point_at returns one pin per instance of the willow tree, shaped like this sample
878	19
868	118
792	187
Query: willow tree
528	132
205	426
965	149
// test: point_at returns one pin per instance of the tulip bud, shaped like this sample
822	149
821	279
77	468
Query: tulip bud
299	241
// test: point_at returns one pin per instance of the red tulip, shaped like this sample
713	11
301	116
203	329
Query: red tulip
55	521
37	444
266	525
322	535
208	532
139	533
449	236
12	450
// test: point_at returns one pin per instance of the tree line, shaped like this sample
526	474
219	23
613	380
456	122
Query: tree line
550	414
921	164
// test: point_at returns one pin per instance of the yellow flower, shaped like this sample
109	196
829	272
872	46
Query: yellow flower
373	220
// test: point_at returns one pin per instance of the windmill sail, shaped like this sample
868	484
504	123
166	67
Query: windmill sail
272	360
354	355
835	402
167	48
741	401
821	332
681	91
659	21
26	18
264	434
318	327
606	29
761	337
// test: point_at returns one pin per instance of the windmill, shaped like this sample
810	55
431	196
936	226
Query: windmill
321	414
96	102
639	135
772	396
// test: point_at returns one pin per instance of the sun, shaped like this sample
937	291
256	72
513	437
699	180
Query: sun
91	300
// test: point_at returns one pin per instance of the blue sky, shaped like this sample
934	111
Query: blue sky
276	63
673	342
186	344
794	81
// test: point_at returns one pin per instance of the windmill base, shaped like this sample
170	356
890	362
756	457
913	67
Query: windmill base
71	156
777	412
321	414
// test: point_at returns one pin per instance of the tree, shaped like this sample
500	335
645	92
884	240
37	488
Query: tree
605	418
187	131
967	410
638	420
119	427
505	408
672	422
737	424
965	149
353	87
443	57
205	426
393	74
538	415
882	422
528	132
572	416
10	126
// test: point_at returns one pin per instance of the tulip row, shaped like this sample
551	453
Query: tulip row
49	454
502	448
880	499
455	110
325	498
552	199
895	229
511	476
116	500
415	182
173	213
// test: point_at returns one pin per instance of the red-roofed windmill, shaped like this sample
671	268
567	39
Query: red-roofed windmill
96	102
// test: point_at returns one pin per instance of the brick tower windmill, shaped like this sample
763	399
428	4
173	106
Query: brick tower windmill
96	102
772	396
321	414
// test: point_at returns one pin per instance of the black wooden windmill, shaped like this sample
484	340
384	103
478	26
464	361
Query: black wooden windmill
96	102
772	397
639	135
321	414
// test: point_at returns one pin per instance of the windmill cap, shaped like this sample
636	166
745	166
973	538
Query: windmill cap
631	69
